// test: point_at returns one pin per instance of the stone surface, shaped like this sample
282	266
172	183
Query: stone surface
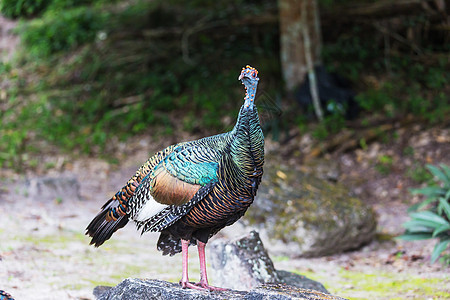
300	281
243	264
300	215
132	289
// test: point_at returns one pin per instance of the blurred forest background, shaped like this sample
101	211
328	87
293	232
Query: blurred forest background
90	88
91	73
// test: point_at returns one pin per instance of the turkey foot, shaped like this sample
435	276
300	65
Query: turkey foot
210	287
200	286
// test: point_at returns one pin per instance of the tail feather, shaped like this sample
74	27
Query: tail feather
170	245
100	229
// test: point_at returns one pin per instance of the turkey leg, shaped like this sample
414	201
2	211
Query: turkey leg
203	277
203	284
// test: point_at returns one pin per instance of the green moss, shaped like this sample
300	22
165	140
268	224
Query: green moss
95	283
384	237
62	238
74	286
382	285
391	285
280	258
299	204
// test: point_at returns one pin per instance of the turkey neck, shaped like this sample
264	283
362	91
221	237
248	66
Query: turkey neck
250	92
247	145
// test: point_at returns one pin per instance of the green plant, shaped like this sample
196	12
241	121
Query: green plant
384	164
22	8
33	8
320	132
402	83
408	151
378	100
61	30
354	52
418	173
430	219
331	124
363	144
92	70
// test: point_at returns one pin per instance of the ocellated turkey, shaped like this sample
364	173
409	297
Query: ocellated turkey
191	190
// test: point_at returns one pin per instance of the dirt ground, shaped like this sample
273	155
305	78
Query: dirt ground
44	253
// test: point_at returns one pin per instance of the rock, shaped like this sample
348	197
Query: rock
300	215
300	281
244	264
241	264
133	288
100	290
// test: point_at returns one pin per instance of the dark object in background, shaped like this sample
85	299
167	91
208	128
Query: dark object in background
335	93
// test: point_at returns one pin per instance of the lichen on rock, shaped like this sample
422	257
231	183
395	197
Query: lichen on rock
133	288
299	214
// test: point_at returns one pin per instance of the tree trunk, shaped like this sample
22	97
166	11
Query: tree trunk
293	21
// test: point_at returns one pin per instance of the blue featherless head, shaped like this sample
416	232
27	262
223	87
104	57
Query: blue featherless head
249	78
249	74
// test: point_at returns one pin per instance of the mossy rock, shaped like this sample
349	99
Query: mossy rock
302	215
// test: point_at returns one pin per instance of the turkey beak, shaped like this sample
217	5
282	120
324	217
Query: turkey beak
241	76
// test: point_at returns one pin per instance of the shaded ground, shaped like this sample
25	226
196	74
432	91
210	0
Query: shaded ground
45	255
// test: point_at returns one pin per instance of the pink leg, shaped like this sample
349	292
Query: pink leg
203	277
184	252
201	255
184	282
203	284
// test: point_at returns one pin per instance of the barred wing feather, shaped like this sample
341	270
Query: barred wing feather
176	184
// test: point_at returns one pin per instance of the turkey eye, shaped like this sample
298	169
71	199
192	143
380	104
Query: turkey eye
254	74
